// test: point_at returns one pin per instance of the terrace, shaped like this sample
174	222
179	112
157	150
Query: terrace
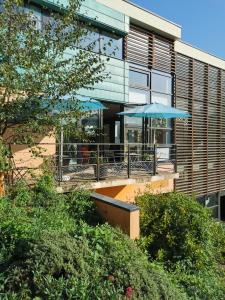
97	164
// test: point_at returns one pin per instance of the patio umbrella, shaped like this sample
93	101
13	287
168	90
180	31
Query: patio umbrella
155	111
80	103
84	104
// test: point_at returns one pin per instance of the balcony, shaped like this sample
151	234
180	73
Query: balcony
98	165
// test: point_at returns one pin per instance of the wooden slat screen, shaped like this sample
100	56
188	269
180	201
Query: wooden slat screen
200	90
150	50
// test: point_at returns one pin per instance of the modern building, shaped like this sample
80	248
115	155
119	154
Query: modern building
151	64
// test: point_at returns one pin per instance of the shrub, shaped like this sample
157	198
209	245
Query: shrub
100	263
48	251
176	228
181	234
204	284
82	208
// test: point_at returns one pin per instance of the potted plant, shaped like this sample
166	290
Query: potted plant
4	165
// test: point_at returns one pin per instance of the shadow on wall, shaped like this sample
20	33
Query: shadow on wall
128	193
119	214
22	156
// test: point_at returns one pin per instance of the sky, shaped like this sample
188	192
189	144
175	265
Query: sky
202	21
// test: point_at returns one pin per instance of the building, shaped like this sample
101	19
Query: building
152	64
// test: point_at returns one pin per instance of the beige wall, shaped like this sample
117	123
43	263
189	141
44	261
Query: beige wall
145	18
22	155
198	54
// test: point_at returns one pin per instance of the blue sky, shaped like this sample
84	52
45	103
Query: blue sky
202	21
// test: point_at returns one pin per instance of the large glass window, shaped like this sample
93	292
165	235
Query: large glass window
139	79
139	96
90	41
111	45
161	83
161	98
152	87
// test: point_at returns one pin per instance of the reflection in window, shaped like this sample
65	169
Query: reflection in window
138	78
139	96
36	16
161	123
162	137
133	129
111	45
161	83
161	98
212	203
90	41
90	123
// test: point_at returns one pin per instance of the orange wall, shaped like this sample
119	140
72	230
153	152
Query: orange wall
127	221
127	193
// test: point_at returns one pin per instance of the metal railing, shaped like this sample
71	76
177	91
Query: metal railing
72	162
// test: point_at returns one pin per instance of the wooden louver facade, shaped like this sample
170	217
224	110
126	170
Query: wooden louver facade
149	50
200	89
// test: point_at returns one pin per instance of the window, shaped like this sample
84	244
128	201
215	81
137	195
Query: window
161	89
36	16
212	203
111	45
138	79
161	98
152	87
161	83
139	96
90	41
133	129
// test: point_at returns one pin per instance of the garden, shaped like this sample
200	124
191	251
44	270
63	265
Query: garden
56	246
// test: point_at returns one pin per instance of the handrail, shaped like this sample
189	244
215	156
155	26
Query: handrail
98	161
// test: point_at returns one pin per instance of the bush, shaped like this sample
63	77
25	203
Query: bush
101	263
182	235
82	208
204	284
49	251
176	228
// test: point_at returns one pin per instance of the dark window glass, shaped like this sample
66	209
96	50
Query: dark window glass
138	78
161	83
201	200
161	123
162	137
211	200
111	45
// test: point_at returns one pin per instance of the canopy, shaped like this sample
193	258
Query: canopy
155	111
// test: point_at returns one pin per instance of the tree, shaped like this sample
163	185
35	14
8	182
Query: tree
42	68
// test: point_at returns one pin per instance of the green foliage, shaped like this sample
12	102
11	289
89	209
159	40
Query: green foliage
49	251
182	235
98	264
39	68
4	157
176	228
204	284
81	207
